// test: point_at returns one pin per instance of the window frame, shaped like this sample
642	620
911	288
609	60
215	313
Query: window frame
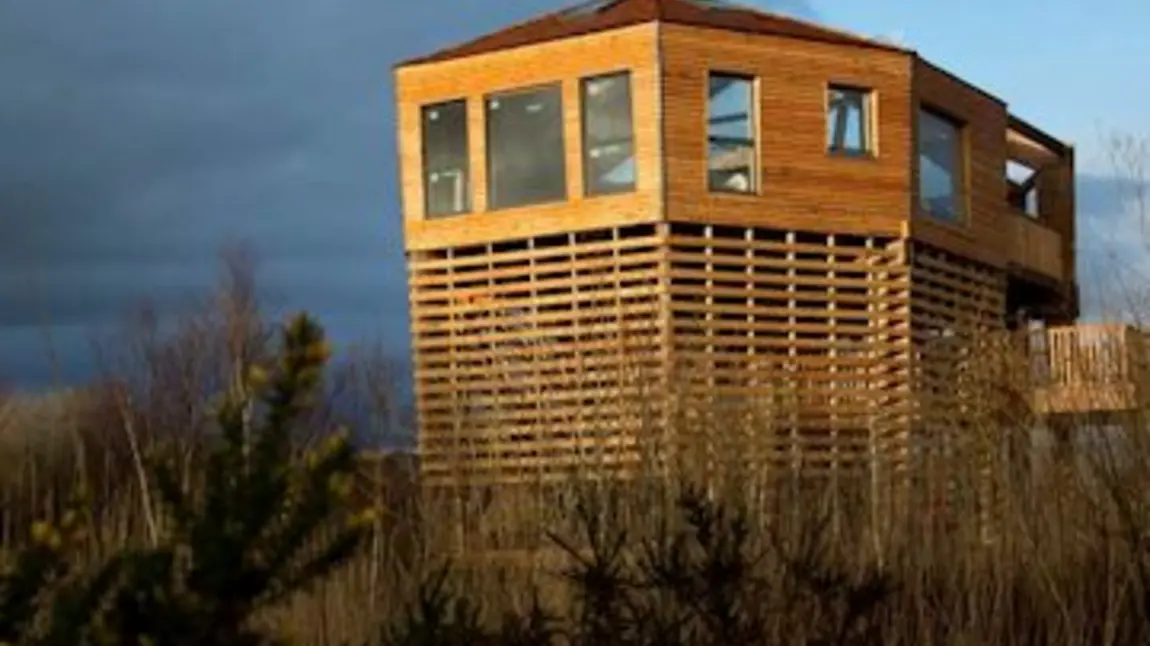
753	116
960	178
869	121
425	174
558	89
1031	206
584	142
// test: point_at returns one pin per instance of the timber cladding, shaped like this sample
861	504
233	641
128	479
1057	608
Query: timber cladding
817	322
535	357
632	49
788	348
719	346
802	186
1056	194
980	236
964	369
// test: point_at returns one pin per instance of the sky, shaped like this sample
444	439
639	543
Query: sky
137	137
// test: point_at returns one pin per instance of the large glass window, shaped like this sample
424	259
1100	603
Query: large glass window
849	121
731	149
940	166
445	178
608	135
525	148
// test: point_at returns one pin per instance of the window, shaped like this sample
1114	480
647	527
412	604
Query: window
1022	188
525	148
445	182
940	167
731	150
849	121
608	135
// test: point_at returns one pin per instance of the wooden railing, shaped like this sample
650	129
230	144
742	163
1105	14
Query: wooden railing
1089	354
1034	246
1089	367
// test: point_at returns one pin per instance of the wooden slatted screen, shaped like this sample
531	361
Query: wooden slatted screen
958	313
531	356
539	356
804	337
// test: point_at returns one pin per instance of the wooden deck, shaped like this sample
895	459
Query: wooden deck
1089	368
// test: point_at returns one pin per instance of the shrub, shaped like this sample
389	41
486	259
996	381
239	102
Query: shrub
254	535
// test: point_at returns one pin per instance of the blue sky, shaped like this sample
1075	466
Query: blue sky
1065	65
141	135
1069	67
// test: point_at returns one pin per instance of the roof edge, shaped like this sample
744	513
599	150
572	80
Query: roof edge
831	38
416	60
1015	122
1039	135
958	79
443	54
862	40
658	12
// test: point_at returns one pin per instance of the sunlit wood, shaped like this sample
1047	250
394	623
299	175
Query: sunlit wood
821	321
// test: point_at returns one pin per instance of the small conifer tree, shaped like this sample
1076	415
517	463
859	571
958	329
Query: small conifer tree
258	531
24	586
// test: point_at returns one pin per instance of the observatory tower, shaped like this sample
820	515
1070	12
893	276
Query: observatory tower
638	227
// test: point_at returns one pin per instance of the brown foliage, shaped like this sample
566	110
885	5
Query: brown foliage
1066	559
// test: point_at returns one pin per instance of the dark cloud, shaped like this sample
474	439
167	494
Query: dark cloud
139	136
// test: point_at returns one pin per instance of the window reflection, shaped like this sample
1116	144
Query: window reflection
940	166
849	121
608	134
446	187
525	163
731	134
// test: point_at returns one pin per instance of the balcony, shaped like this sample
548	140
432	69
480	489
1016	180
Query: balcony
1089	368
1034	247
1039	206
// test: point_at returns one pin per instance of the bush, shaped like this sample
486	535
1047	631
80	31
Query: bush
255	534
256	541
698	580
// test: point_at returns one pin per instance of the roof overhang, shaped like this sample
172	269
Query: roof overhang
604	15
1031	146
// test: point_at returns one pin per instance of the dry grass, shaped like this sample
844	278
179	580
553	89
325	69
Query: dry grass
1069	563
788	559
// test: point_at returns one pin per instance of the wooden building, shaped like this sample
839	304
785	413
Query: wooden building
669	229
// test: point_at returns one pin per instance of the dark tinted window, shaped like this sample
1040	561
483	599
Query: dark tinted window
446	187
940	166
525	157
608	135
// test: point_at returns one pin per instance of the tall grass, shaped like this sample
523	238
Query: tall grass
750	558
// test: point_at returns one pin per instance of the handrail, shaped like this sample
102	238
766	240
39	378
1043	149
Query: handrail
1034	244
1091	353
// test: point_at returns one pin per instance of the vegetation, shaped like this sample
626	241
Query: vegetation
242	540
201	494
